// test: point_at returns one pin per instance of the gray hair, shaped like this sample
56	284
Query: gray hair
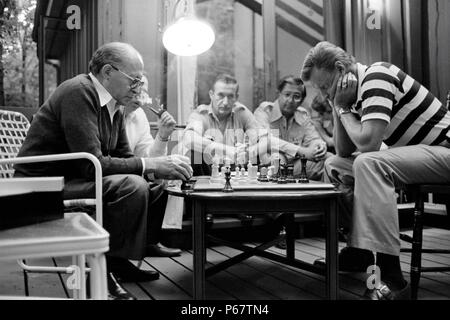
111	53
324	56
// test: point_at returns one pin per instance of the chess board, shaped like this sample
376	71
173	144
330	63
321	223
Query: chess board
206	184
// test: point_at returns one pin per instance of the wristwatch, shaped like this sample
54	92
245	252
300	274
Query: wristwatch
343	110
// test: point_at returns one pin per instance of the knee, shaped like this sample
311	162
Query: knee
133	184
365	163
331	162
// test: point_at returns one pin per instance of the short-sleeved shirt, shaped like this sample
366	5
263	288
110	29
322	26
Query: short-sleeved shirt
140	140
204	122
297	131
414	115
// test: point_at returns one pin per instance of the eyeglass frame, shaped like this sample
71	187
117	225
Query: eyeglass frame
136	83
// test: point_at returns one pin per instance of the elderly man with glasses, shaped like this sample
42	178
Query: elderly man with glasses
293	135
84	115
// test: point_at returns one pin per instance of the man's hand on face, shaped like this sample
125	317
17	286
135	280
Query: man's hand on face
166	125
346	91
173	167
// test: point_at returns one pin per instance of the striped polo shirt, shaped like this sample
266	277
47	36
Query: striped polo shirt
414	115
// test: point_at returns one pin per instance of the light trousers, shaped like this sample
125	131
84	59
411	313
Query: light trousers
369	183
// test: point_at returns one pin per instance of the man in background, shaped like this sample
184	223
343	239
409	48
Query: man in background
293	135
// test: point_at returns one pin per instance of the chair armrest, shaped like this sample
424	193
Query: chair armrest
71	156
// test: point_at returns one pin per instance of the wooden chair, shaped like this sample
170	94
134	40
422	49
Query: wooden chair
420	192
13	130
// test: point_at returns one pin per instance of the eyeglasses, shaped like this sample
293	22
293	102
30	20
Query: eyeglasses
135	82
289	95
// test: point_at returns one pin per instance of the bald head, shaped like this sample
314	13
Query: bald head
118	67
119	54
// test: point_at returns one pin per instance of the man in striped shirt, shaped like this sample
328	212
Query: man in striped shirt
371	105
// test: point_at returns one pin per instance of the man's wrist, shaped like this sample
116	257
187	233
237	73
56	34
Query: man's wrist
341	110
160	138
150	165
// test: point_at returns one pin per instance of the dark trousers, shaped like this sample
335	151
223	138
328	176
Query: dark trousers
133	211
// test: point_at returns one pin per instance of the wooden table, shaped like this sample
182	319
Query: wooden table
77	235
262	202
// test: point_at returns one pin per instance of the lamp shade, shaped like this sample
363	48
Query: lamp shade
188	36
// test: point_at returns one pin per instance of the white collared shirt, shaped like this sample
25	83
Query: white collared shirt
107	100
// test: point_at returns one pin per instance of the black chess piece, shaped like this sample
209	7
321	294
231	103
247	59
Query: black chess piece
290	173
303	175
188	185
227	187
282	174
263	175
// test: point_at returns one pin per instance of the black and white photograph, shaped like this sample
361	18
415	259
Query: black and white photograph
224	158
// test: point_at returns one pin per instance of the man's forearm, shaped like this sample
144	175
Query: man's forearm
343	144
158	147
207	146
280	145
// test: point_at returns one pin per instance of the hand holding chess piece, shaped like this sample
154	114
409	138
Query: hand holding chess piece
303	175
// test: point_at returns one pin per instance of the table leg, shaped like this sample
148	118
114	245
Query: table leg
198	243
332	251
290	238
97	279
82	268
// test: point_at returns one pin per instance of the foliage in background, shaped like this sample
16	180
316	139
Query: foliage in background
7	7
220	59
19	60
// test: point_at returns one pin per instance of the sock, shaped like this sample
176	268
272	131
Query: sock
391	272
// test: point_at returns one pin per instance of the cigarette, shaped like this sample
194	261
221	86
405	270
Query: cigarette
159	112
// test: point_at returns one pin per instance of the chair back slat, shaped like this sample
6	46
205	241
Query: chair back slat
13	131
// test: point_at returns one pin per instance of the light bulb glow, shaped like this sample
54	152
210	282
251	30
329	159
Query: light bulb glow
188	36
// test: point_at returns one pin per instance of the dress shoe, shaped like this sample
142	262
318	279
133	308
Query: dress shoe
158	250
383	292
281	245
246	219
351	260
116	291
125	271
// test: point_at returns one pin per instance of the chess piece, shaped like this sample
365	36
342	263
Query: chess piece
188	185
227	187
263	175
215	174
237	172
276	169
303	175
222	171
252	173
244	178
282	174
290	173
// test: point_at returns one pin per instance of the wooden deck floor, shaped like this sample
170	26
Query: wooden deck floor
253	279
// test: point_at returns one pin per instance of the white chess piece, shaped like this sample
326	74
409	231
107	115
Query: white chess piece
252	173
244	177
215	174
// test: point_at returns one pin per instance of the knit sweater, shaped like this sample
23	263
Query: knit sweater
72	120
